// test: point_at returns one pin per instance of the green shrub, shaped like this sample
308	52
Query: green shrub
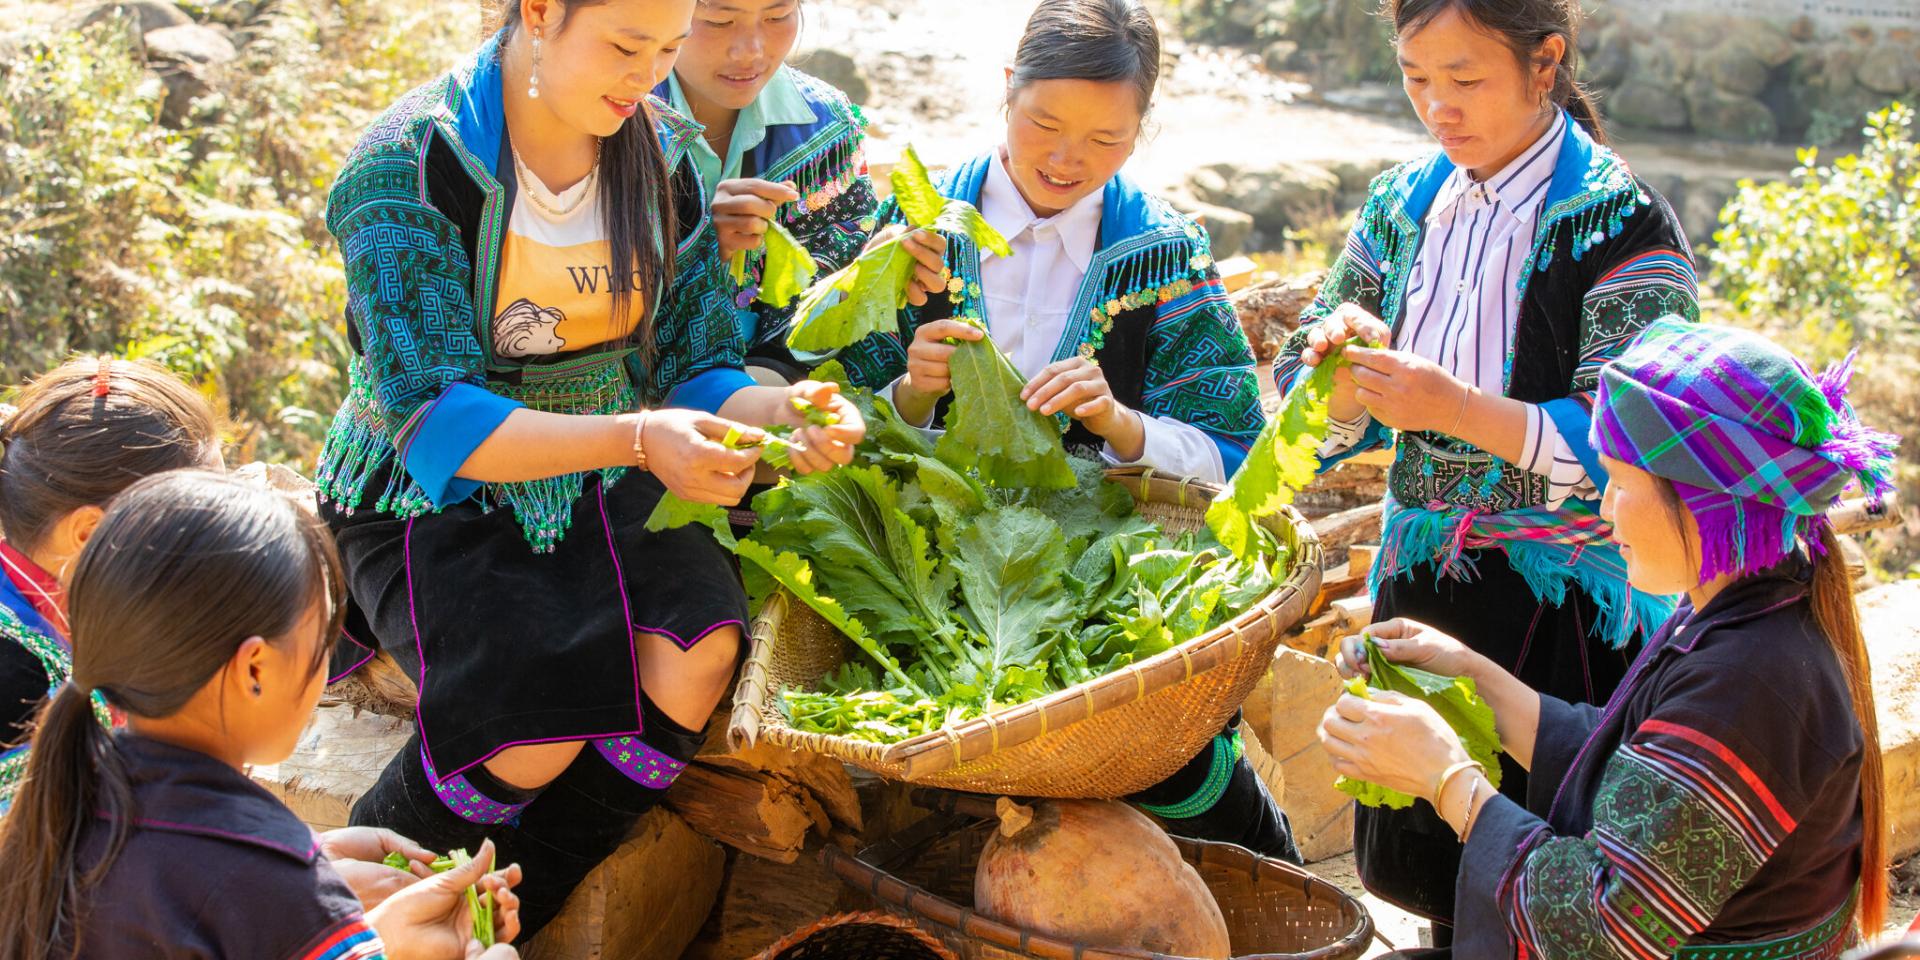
1825	262
204	248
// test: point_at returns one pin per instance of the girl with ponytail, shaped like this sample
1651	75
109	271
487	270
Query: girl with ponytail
1728	802
203	611
1489	282
81	434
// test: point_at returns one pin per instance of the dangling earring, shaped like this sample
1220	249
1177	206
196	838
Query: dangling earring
533	82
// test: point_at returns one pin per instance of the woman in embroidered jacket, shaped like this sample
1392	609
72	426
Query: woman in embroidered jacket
1110	304
775	144
1495	277
1727	802
82	433
545	346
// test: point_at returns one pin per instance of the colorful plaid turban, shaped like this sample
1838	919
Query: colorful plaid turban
1756	447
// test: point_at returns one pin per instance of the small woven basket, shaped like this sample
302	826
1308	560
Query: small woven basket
858	936
1108	737
1274	910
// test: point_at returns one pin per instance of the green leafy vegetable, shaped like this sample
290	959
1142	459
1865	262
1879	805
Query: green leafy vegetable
962	595
1282	461
989	427
789	267
873	288
1454	698
396	860
480	905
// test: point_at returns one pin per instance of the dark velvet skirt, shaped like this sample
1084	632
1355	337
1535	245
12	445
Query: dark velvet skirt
513	647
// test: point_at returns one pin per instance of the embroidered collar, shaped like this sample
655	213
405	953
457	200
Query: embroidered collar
780	103
39	600
1003	207
1747	598
177	790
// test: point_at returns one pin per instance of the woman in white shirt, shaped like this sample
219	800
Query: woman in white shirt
1110	305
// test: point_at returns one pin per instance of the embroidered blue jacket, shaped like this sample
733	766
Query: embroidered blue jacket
420	212
1152	311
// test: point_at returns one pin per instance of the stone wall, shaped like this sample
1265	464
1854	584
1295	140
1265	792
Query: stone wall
1791	71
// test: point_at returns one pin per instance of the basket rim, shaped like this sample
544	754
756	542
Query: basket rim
940	750
862	873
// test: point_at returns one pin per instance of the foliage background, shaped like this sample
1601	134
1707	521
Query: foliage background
203	248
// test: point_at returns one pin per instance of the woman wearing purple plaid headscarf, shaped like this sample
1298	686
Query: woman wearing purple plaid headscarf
1727	802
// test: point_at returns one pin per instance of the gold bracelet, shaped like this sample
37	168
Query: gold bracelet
639	440
1446	776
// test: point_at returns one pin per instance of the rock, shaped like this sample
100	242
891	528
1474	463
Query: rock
1279	55
1284	195
1605	62
1356	176
1639	104
838	69
1227	229
1735	70
1698	30
1658	64
1766	41
1889	70
1699	213
186	58
1727	117
151	14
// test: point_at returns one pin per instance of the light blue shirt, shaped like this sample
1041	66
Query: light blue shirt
779	102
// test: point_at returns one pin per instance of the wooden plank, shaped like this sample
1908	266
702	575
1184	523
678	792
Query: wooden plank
1238	273
645	902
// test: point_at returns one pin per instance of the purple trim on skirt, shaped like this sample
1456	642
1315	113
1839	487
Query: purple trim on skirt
466	800
640	762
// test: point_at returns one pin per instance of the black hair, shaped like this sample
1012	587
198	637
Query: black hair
1107	41
1525	25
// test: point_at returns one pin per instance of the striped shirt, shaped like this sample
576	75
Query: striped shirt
1464	296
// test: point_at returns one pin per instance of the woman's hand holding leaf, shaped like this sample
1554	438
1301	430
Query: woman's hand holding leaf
1410	643
827	426
743	208
929	373
1390	740
1078	387
686	450
929	251
1348	323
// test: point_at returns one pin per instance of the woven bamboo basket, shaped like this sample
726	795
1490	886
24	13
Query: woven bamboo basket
1109	737
858	936
1274	910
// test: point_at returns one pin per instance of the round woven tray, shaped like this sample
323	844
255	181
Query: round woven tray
858	936
1274	910
1109	737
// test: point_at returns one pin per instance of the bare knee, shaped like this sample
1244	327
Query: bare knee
533	765
688	684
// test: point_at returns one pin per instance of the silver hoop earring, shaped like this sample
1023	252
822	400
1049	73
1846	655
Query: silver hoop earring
533	81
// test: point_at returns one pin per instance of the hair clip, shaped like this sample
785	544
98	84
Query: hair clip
103	378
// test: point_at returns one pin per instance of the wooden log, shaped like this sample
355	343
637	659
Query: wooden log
762	902
339	756
1890	620
823	778
1238	273
759	813
378	686
645	902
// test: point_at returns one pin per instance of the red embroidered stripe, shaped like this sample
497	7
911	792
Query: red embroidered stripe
1733	762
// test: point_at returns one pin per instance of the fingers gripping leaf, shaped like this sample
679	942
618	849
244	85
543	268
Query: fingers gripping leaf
873	289
788	267
1282	461
1454	698
989	427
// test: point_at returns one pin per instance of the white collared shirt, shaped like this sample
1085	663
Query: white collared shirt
1463	296
1030	296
